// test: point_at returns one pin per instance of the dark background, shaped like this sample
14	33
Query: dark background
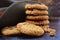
5	3
54	5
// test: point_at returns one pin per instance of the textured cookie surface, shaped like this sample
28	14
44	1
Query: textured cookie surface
44	22
36	6
10	30
38	17
31	29
36	12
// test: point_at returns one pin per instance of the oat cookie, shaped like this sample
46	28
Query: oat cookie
37	12
45	17
44	22
10	30
36	6
30	29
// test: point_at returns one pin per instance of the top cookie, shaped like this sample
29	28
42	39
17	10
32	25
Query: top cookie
36	6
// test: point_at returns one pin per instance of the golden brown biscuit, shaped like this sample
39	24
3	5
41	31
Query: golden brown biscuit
30	29
39	6
45	22
46	28
10	31
36	6
53	32
36	12
45	17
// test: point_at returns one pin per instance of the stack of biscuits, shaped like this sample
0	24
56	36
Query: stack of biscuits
36	24
37	14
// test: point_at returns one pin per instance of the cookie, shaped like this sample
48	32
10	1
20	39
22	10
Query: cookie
45	22
52	32
30	29
36	6
10	31
45	17
49	30
36	12
46	28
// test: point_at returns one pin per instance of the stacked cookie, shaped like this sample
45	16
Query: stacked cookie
37	14
28	29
